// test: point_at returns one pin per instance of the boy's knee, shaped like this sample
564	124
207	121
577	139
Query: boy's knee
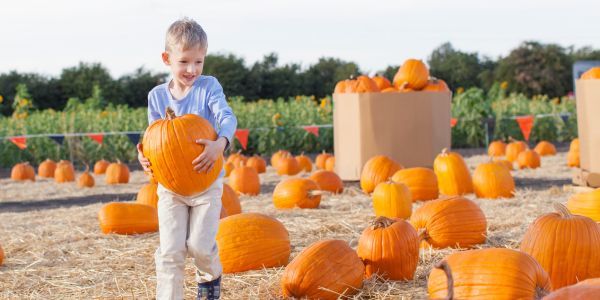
174	257
202	252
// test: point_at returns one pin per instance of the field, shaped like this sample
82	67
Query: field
55	250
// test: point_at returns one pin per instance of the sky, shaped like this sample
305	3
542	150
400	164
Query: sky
46	36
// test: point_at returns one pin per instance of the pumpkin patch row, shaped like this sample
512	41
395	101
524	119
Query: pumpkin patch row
64	171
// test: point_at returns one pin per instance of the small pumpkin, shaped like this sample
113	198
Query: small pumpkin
450	222
328	181
504	162
101	166
85	179
65	172
412	74
593	73
252	241
127	218
321	160
492	180
257	163
587	289
545	148
22	171
381	82
392	200
421	182
573	155
237	158
436	85
278	155
528	159
288	165
586	204
469	275
453	175
330	164
230	201
304	162
117	173
390	90
300	192
565	245
245	180
1	255
327	269
147	195
362	84
497	148
513	149
46	168
376	170
340	86
390	248
228	168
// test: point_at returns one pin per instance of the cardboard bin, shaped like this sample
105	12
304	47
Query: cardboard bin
412	128
588	127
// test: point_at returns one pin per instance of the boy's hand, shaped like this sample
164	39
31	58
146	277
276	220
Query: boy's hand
212	149
143	160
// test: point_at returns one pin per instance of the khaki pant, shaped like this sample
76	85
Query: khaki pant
187	225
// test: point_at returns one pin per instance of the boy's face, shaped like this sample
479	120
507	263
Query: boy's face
186	65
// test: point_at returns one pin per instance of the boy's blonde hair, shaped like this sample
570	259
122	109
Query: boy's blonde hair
185	33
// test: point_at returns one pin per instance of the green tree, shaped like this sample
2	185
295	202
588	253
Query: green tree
456	68
135	87
79	81
45	90
320	79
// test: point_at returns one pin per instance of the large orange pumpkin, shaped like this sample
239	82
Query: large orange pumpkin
300	192
65	172
586	204
545	148
389	248
147	195
100	167
421	182
22	171
436	85
529	159
565	245
451	222
412	74
470	275
46	168
230	201
128	218
324	270
513	149
170	145
245	180
328	181
381	82
493	180
304	162
497	148
321	160
587	289
452	173
257	163
392	200
117	173
593	73
252	241
378	169
86	179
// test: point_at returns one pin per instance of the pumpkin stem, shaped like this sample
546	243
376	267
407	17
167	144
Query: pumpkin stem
313	193
541	292
422	233
382	222
170	113
562	210
445	151
446	268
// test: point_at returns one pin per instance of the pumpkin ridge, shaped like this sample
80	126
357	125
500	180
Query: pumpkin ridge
181	140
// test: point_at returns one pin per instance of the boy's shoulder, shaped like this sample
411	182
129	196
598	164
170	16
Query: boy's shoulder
161	88
208	82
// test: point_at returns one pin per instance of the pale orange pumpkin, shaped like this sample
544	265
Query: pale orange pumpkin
128	218
252	241
321	160
593	73
46	168
304	162
381	82
22	171
245	180
513	149
330	164
230	201
412	74
328	181
492	180
421	182
100	167
450	222
392	200
327	269
293	192
470	275
376	170
573	155
497	148
389	248
586	204
65	172
228	168
170	145
545	148
117	173
147	195
340	86
257	163
529	159
565	245
86	179
452	173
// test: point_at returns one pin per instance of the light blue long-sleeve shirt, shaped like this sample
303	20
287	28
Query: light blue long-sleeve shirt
205	99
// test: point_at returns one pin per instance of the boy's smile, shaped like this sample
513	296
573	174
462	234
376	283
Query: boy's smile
186	66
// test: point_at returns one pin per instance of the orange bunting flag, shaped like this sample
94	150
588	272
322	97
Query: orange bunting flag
312	129
96	137
526	124
453	122
20	141
242	136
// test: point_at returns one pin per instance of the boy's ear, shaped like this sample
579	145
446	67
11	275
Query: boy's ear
165	58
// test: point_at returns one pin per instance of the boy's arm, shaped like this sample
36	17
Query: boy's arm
223	113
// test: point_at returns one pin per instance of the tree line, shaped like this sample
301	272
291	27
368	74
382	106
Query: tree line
532	68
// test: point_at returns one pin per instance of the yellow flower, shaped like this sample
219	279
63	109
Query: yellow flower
504	85
460	90
298	98
1	99
324	102
103	114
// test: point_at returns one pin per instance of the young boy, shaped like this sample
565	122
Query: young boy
189	224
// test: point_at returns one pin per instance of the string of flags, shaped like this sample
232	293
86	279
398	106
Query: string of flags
525	124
